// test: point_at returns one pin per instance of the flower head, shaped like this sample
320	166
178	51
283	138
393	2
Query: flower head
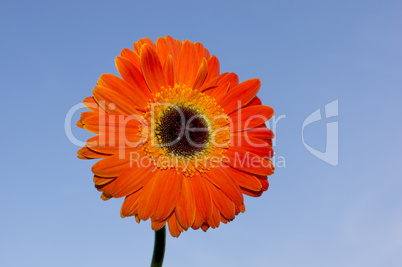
178	140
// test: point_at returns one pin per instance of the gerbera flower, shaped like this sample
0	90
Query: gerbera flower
180	142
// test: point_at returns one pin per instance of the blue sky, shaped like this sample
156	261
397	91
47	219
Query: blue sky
306	53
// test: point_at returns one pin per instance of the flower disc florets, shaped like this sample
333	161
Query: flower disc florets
187	130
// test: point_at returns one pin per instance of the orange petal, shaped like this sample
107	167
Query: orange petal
107	143
131	56
269	142
105	197
215	218
105	123
137	92
213	68
229	78
185	208
131	180
218	92
251	193
225	82
162	49
79	124
226	184
88	114
188	65
174	51
261	132
201	75
174	228
156	225
205	227
239	209
130	205
91	104
222	204
102	180
198	222
146	40
105	188
167	193
103	147
243	179
264	187
111	166
248	162
179	44
85	153
113	102
255	101
160	195
223	219
254	145
168	71
241	94
203	201
264	183
146	205
152	69
201	51
207	87
133	76
249	117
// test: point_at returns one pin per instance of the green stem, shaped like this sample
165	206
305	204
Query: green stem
159	248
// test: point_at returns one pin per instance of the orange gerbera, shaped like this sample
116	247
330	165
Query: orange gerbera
180	141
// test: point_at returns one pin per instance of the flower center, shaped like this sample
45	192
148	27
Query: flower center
182	131
186	130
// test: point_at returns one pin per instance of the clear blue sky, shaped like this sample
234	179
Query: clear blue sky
306	53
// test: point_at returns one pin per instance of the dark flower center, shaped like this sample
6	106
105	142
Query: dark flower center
182	131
